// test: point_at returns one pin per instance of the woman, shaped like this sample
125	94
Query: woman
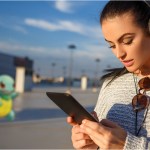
122	108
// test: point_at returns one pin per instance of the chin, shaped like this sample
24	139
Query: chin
132	69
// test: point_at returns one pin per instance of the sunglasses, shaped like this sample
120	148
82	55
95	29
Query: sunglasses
141	100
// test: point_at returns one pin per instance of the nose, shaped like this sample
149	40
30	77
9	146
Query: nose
120	52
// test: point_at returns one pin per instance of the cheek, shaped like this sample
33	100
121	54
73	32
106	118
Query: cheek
141	53
138	50
144	51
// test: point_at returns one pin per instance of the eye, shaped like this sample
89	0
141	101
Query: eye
127	41
2	85
112	46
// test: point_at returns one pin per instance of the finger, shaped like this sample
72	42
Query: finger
95	126
95	135
90	146
98	141
71	121
80	136
90	130
77	135
108	123
82	143
76	129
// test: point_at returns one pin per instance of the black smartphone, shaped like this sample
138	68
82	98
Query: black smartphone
70	106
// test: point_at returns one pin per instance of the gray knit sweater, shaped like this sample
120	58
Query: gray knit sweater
115	104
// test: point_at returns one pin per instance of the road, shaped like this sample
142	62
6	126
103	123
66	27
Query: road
39	123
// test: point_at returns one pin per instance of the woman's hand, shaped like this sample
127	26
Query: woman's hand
80	140
106	134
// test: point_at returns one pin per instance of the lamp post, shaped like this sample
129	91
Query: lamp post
71	47
97	60
64	71
53	67
97	67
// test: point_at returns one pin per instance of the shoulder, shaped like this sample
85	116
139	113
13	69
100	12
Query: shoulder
111	81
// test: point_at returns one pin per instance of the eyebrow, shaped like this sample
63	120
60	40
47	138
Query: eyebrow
122	36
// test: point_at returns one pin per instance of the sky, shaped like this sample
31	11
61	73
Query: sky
43	31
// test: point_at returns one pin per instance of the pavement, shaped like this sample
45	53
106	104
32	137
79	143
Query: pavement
39	123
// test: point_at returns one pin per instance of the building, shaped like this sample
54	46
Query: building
21	69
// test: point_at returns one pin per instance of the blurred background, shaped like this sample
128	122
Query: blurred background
50	46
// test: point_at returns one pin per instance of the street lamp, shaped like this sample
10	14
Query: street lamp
97	67
71	47
64	71
97	60
53	67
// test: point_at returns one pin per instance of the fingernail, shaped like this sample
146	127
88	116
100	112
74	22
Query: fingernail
84	121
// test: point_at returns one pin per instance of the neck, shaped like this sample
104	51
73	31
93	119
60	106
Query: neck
143	72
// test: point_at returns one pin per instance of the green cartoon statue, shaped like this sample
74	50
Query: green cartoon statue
7	94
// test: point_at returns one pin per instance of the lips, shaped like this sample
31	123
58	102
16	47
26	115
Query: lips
128	63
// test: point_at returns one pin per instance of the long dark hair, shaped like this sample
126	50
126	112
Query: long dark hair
141	12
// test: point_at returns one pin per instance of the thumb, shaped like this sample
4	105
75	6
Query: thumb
71	121
108	123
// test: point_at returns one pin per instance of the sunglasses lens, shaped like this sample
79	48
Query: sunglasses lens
144	83
140	102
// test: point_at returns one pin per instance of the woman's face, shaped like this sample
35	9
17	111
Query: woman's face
128	42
